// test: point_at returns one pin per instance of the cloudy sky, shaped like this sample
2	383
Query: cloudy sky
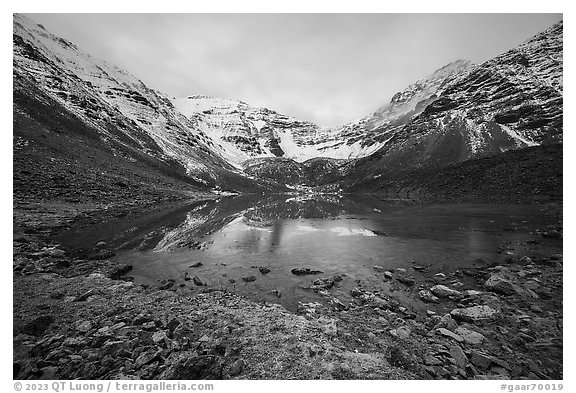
326	68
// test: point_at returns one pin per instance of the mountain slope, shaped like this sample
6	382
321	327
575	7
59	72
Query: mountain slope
116	109
510	102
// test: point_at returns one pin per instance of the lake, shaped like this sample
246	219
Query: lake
337	235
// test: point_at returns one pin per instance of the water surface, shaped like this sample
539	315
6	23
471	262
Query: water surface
347	236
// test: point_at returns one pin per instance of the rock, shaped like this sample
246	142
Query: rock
323	283
444	291
264	270
409	281
75	342
430	360
304	271
471	293
49	373
83	296
356	292
141	318
189	366
440	276
196	280
231	281
249	278
159	336
338	305
480	360
276	293
38	325
166	283
447	333
525	260
458	355
236	367
419	268
469	336
379	269
187	276
402	332
474	314
196	264
84	326
388	274
447	322
119	270
500	283
147	357
329	326
427	296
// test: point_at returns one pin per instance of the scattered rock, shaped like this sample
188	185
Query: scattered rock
402	332
480	360
474	314
469	336
427	296
264	270
304	271
444	291
159	336
458	354
166	283
447	333
500	283
409	281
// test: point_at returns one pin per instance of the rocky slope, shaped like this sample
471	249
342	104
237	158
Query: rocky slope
114	109
512	101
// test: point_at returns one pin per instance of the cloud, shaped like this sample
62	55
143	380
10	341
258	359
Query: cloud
326	68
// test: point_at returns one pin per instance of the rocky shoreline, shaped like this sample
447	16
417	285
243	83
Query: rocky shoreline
87	319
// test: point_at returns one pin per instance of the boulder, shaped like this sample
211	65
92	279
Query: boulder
469	336
447	333
427	296
500	283
458	355
474	314
444	291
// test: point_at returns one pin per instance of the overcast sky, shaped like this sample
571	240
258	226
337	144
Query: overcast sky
326	68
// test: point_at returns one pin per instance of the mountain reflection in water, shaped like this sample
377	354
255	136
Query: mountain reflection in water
347	236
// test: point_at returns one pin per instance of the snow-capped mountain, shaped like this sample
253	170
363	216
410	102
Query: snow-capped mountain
509	102
241	132
459	112
121	107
